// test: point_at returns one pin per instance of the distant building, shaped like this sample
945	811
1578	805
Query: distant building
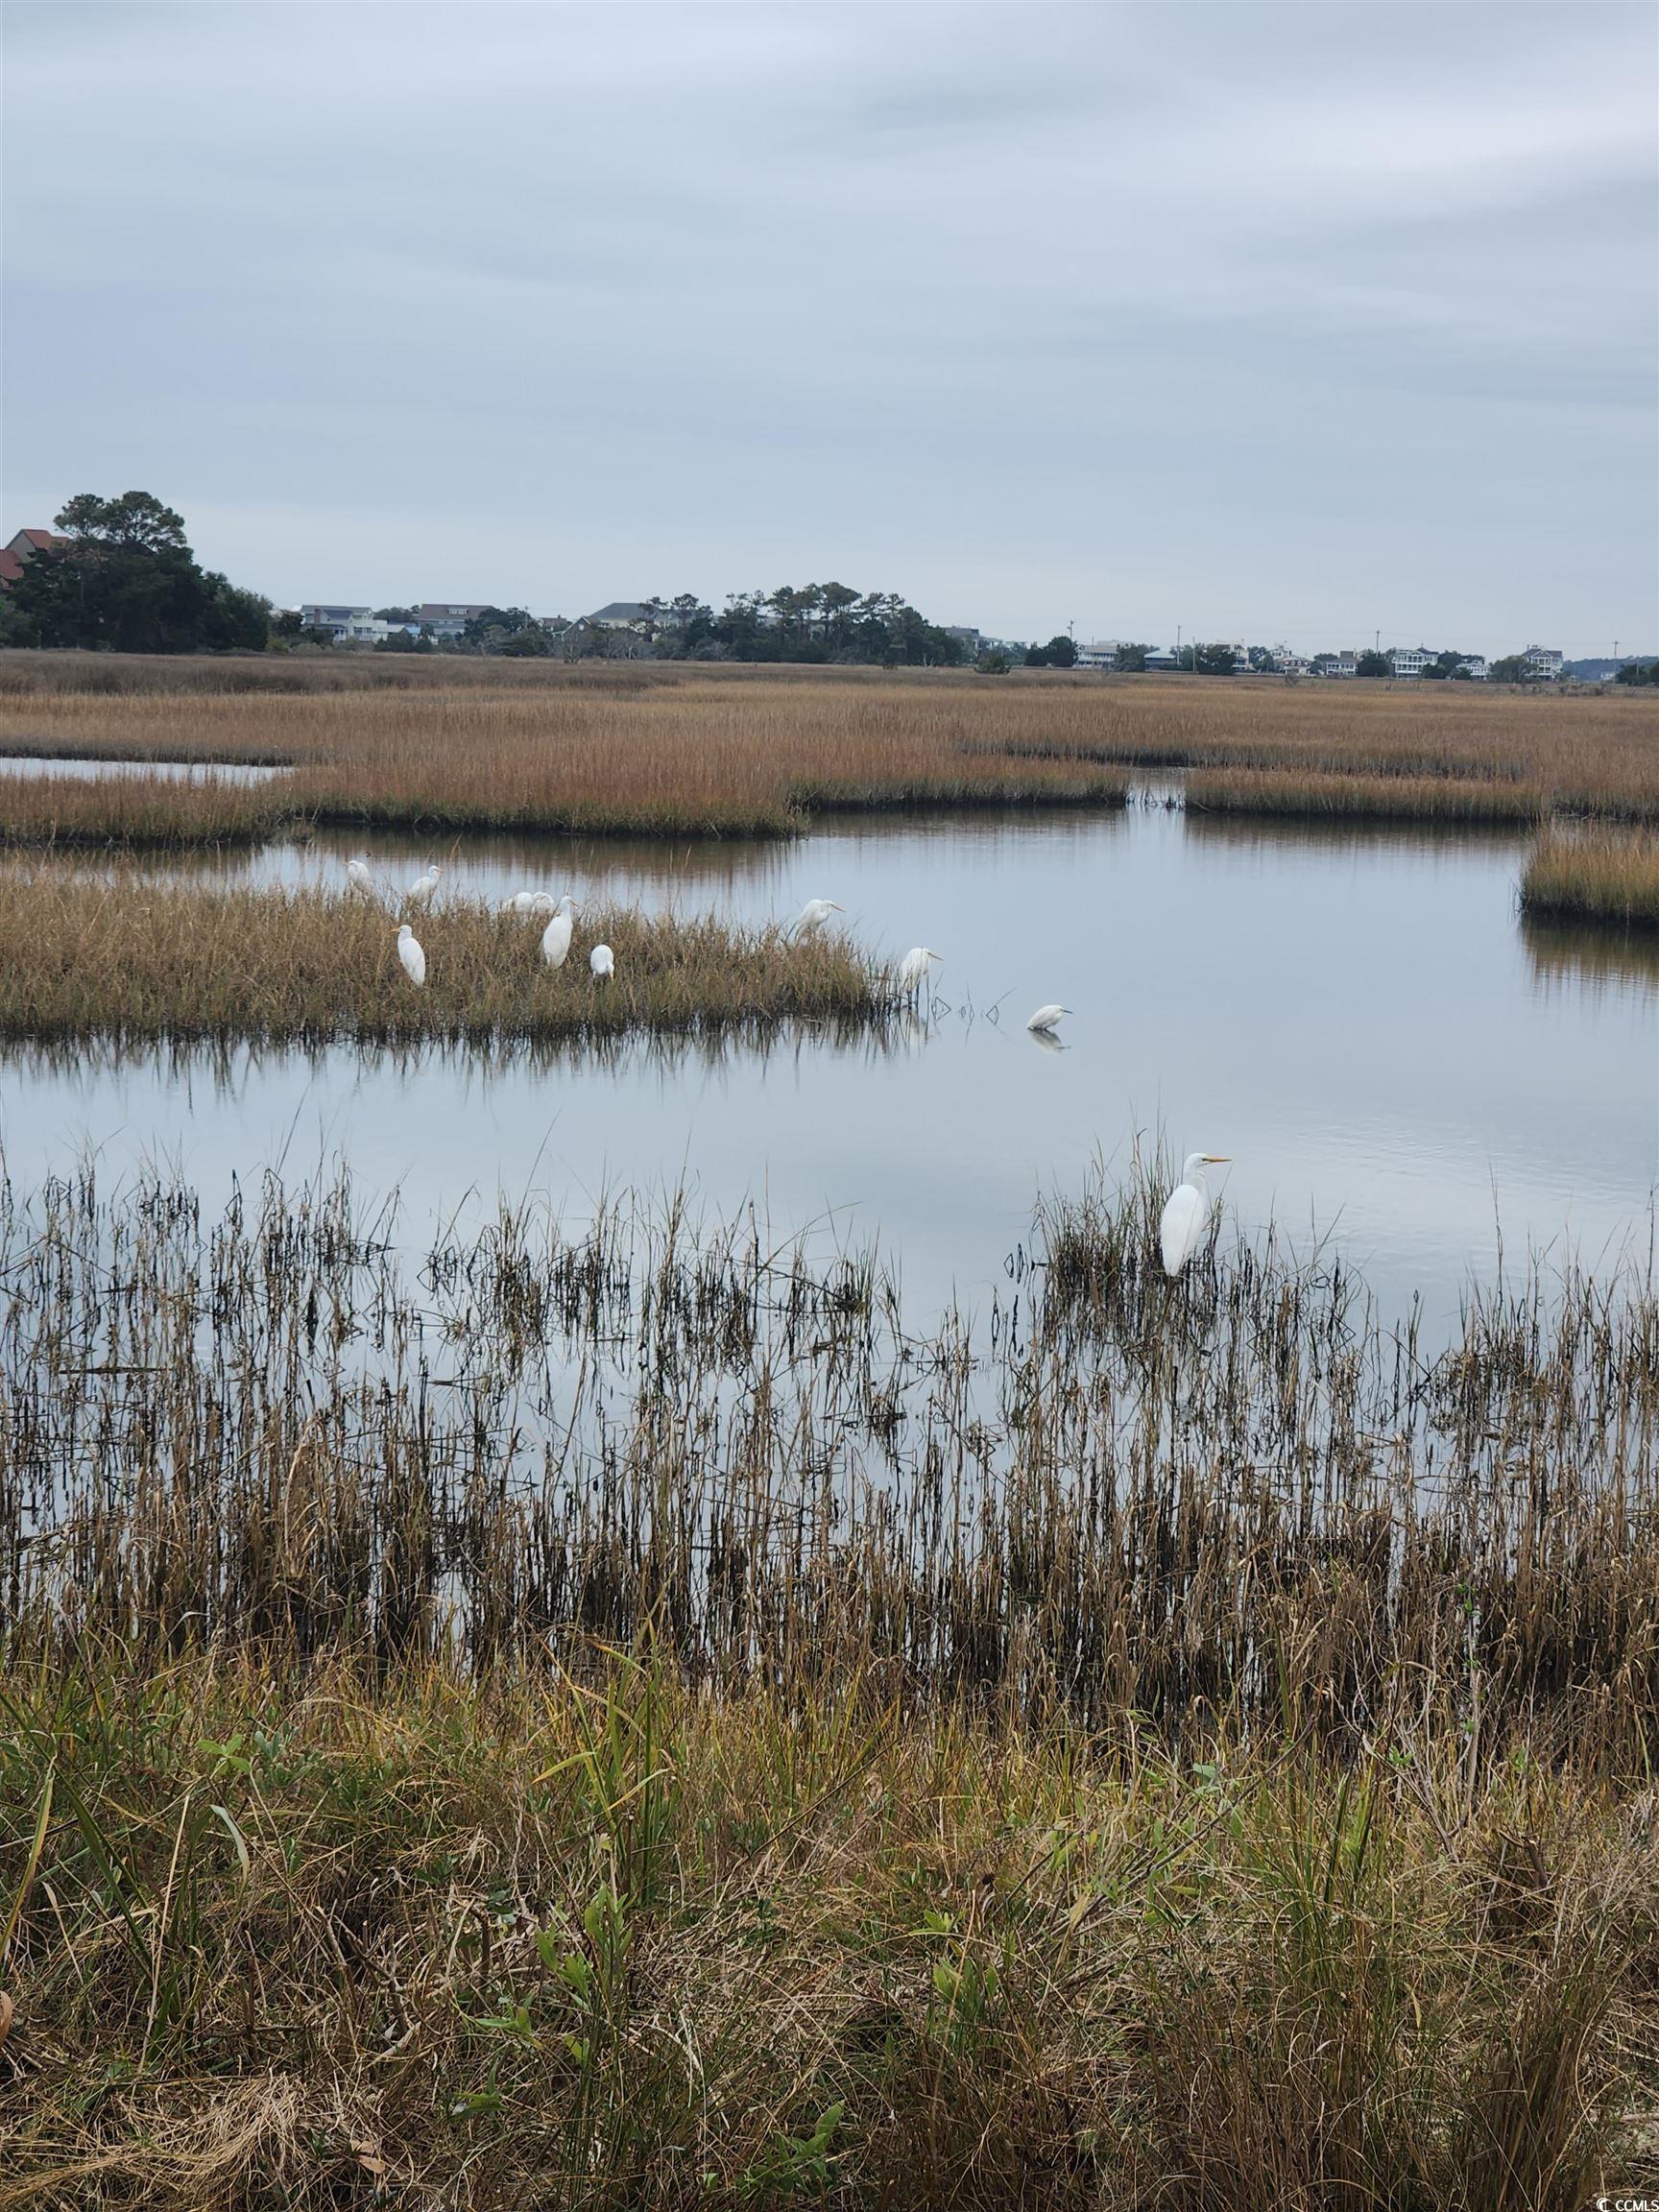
344	625
622	614
447	619
1410	659
969	640
1474	664
16	555
1543	661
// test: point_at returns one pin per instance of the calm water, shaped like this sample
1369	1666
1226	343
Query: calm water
1358	1018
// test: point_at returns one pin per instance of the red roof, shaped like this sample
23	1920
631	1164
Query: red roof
43	538
10	567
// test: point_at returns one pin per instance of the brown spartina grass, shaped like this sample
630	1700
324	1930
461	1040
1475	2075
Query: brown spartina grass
1448	798
687	1741
1589	877
141	810
126	958
694	750
338	1935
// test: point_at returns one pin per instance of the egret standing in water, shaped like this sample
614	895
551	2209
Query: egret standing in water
357	874
602	961
1046	1020
556	937
424	886
410	952
913	967
814	914
1187	1210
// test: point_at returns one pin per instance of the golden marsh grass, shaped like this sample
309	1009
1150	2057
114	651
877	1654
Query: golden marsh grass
329	1937
602	1718
126	958
1608	877
693	751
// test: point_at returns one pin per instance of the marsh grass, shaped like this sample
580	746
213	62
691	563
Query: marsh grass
126	959
1239	1498
1363	798
1605	878
693	751
141	810
338	1936
600	1716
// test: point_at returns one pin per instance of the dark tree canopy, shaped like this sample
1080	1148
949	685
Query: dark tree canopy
128	581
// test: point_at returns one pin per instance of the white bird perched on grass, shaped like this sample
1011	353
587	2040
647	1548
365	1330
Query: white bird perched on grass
913	967
410	952
527	902
424	886
361	878
1046	1020
603	961
814	914
556	937
1185	1211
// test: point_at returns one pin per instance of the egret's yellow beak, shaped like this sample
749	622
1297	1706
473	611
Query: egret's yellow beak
1217	1158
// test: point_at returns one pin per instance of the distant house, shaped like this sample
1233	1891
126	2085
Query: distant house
28	542
969	640
622	614
1543	661
1410	659
17	553
1336	664
1474	664
447	618
345	625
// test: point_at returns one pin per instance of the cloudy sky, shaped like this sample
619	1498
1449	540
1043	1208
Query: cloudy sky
1296	322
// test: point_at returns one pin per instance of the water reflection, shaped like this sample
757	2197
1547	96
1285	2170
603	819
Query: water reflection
28	766
1566	955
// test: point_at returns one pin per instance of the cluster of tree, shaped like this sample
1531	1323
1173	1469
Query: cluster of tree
128	580
815	622
1059	653
1513	668
1638	672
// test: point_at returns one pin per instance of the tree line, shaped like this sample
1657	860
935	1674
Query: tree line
126	581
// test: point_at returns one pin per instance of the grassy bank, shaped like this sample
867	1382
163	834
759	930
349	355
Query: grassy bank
1611	879
1449	799
329	1936
597	1715
695	751
141	810
126	959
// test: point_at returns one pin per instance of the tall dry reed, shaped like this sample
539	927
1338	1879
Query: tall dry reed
125	958
696	751
1587	877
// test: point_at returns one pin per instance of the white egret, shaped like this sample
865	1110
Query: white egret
556	937
603	962
528	902
1046	1020
1185	1211
814	914
424	886
361	878
540	902
913	967
410	952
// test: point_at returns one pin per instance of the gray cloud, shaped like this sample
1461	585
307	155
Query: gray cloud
1291	321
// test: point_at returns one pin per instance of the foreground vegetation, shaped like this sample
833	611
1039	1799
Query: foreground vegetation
1586	877
612	1721
690	751
127	958
329	1936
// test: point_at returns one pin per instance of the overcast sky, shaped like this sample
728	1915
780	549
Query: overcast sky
1295	322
